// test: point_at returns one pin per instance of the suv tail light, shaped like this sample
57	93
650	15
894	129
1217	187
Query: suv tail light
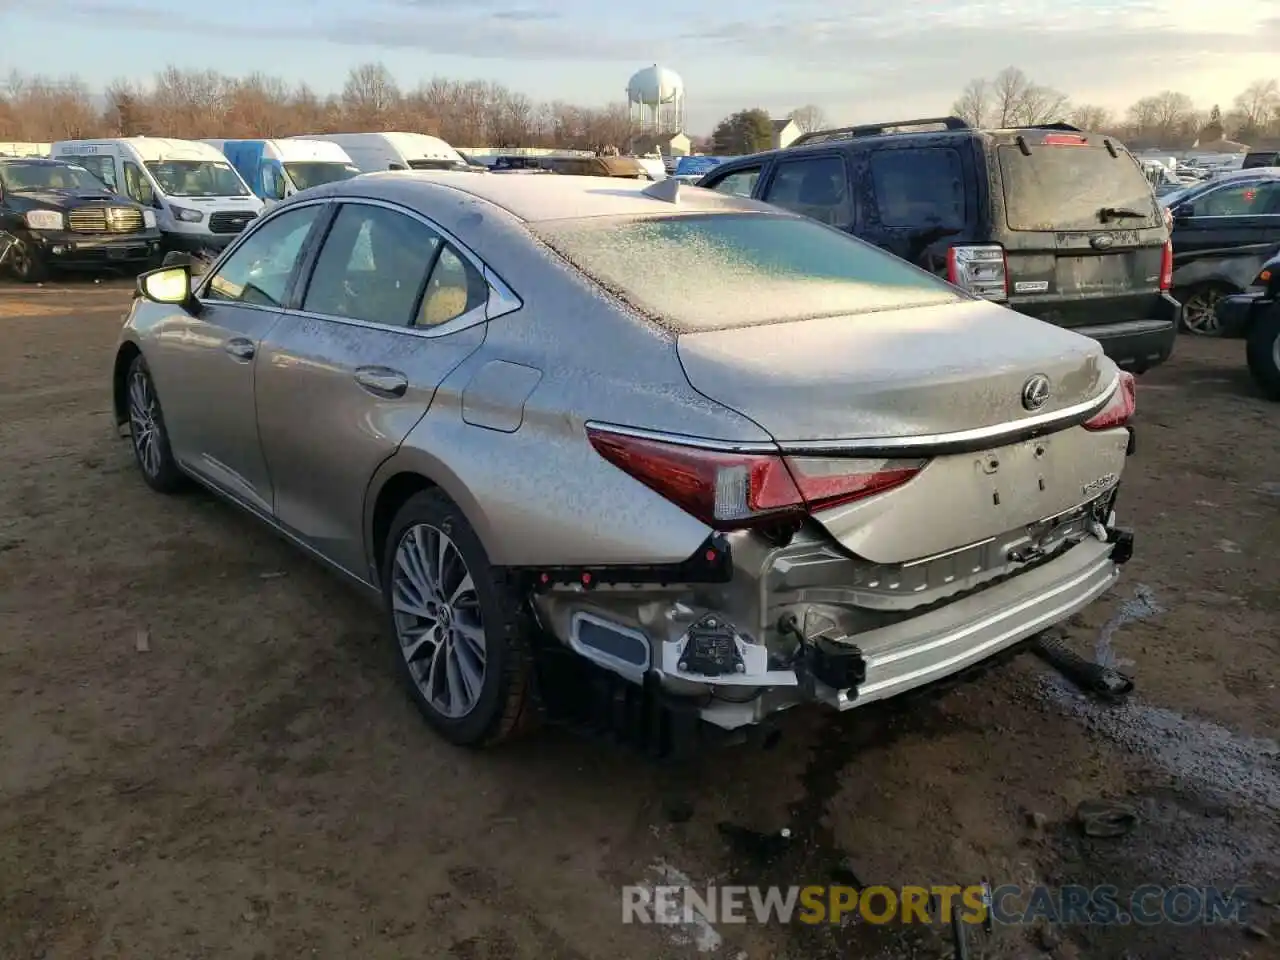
1119	408
1166	266
981	269
731	491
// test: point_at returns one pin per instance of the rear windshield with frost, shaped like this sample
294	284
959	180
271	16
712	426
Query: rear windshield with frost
1068	187
716	271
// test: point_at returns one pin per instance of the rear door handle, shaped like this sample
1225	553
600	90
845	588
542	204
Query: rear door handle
382	381
240	348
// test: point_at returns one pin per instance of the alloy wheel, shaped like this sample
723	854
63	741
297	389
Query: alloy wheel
438	622
144	423
1199	313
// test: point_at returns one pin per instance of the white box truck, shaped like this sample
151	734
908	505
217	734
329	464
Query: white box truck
372	152
201	203
276	169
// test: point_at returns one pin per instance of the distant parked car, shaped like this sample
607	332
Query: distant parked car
1261	158
628	168
724	458
1222	233
55	214
1054	222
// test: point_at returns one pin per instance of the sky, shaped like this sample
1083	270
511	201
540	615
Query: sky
859	60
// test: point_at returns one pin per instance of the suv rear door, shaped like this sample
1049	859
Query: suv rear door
1083	235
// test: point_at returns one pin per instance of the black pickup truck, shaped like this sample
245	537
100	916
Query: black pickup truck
57	214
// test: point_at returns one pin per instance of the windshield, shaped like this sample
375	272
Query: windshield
23	177
197	178
313	173
1069	187
716	271
435	164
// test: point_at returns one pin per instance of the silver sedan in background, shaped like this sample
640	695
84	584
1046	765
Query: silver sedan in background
715	452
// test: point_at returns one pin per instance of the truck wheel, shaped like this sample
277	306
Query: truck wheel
1263	352
26	263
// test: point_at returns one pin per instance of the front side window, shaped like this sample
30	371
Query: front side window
260	269
717	271
816	187
197	178
1251	199
373	266
919	188
740	183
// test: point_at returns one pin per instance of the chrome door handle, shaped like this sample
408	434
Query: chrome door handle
382	381
240	348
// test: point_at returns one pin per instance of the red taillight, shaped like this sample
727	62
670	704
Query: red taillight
735	490
1166	266
1119	409
981	269
1065	140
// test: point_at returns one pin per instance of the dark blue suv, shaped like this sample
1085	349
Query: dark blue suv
1051	221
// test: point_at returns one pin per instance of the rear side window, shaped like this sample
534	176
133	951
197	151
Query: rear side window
816	187
1261	159
718	271
740	183
919	188
1074	188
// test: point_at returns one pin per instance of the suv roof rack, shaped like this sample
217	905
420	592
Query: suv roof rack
876	129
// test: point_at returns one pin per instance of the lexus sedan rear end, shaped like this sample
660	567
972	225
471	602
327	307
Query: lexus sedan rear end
730	457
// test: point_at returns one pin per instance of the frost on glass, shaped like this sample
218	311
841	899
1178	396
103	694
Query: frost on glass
706	272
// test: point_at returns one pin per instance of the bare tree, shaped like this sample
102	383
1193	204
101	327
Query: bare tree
1041	105
1009	91
810	118
974	104
1090	116
1256	107
370	96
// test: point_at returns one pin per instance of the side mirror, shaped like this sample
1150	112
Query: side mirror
169	285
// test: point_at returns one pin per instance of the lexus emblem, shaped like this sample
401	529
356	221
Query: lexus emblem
1036	392
1101	242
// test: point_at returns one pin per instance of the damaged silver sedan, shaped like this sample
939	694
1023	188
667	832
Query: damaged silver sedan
722	458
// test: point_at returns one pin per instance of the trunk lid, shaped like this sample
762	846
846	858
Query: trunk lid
1082	232
894	373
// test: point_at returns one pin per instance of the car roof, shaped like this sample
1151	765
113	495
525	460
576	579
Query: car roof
41	161
535	199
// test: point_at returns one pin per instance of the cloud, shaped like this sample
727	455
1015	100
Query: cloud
858	59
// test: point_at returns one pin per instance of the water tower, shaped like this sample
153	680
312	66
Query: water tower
655	101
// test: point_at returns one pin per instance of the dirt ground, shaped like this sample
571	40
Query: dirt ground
204	752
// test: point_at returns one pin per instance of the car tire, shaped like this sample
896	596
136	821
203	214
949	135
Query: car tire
1198	306
1263	352
148	434
26	263
433	619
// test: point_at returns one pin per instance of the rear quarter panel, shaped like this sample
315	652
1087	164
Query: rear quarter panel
540	495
